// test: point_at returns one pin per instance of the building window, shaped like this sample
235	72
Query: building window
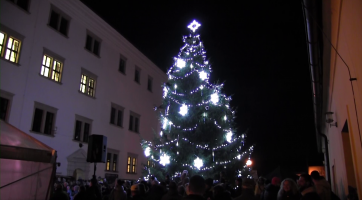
10	43
44	119
112	160
92	43
59	20
52	66
149	84
137	74
82	128
5	104
88	83
24	4
131	163
116	115
122	65
134	122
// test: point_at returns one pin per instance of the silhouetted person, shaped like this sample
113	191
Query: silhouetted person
172	193
272	189
288	190
321	185
248	186
208	188
59	194
239	185
306	188
196	188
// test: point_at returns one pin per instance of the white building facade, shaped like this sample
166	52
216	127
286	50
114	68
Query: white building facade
66	74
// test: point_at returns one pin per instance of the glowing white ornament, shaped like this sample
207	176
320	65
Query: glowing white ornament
203	75
201	87
183	110
191	66
147	151
161	133
165	122
198	163
164	159
239	156
177	144
180	63
225	118
215	98
194	25
175	86
228	136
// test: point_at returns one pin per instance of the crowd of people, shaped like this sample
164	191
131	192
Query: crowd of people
307	187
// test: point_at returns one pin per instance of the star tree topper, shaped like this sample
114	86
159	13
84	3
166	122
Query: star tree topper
194	25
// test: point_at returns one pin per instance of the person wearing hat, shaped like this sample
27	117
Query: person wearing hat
272	189
248	190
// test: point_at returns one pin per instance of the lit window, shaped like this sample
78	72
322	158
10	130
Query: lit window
112	160
12	50
10	44
132	163
87	83
43	119
51	68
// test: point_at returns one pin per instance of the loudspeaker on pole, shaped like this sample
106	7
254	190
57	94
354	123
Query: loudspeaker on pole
97	149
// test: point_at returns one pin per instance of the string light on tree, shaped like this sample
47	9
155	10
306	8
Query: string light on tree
229	136
147	151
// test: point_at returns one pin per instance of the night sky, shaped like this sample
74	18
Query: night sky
257	48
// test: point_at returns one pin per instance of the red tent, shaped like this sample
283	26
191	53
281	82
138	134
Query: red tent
27	166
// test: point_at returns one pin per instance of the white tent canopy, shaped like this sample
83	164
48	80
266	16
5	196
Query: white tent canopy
26	165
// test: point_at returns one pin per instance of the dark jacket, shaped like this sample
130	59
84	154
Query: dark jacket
171	195
289	196
193	197
271	192
310	194
248	194
59	195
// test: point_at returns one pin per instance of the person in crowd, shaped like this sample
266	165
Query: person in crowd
142	189
70	192
76	190
259	188
59	194
288	190
306	188
83	195
167	180
208	188
135	194
196	188
238	189
181	190
220	193
172	193
321	185
272	189
248	186
95	189
118	192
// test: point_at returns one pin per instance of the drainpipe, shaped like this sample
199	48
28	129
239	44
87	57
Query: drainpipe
310	12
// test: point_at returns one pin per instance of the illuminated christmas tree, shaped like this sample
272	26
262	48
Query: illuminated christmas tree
198	131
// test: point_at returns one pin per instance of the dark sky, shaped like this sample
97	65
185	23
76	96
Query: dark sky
257	48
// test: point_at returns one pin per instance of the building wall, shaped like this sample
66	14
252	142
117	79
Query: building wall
24	81
344	27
